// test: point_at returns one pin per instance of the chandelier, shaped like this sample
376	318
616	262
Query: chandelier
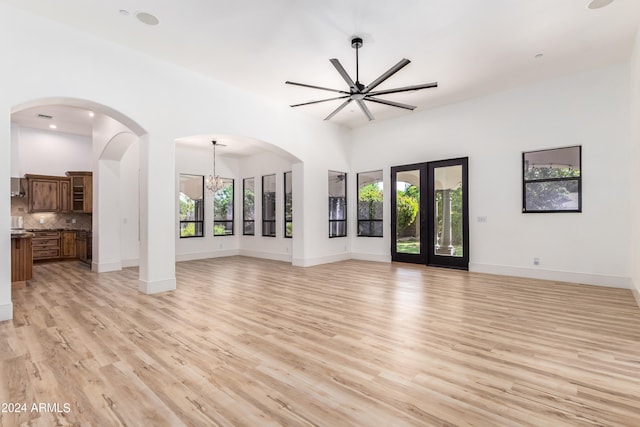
214	182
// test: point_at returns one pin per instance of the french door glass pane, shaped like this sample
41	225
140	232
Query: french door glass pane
448	211
408	212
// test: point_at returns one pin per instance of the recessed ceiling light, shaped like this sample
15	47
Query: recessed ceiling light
147	18
539	55
53	126
91	114
124	12
597	4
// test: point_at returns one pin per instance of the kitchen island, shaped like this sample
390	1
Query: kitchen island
21	258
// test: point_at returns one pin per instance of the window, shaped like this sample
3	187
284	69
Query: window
223	209
248	206
337	204
269	205
370	204
288	206
552	180
191	205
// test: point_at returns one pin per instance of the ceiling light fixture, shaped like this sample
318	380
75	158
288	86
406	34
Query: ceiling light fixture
53	127
214	182
91	114
147	18
597	4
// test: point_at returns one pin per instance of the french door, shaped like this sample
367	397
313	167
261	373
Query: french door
429	213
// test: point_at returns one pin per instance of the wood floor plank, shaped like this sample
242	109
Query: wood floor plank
246	342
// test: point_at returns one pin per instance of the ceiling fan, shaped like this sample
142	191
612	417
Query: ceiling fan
358	92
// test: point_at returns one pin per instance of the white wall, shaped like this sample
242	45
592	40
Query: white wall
129	206
589	109
44	152
635	179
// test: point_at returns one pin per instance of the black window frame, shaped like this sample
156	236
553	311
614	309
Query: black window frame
270	222
199	208
334	224
288	206
226	222
369	220
577	179
246	221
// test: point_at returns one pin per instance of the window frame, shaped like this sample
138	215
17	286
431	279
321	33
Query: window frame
199	208
233	213
345	218
246	221
271	222
288	210
577	179
376	220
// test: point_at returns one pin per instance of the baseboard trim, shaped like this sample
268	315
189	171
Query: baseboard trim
266	255
126	263
157	286
636	293
310	262
205	255
106	267
560	276
360	256
6	312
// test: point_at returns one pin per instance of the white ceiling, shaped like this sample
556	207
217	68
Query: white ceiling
470	47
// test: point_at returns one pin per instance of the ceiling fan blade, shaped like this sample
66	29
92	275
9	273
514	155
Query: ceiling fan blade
322	100
343	73
337	110
390	72
316	87
404	89
392	103
364	109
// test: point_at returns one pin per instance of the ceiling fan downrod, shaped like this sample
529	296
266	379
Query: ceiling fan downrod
356	43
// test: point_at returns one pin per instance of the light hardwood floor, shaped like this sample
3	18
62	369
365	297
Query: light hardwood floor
253	342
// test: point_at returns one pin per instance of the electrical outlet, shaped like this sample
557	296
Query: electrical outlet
41	220
536	261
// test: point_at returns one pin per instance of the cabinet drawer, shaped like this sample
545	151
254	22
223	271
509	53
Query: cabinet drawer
45	253
39	243
46	235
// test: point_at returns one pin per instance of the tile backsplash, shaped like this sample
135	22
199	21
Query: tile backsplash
48	220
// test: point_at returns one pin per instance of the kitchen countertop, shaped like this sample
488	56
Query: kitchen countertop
21	235
35	230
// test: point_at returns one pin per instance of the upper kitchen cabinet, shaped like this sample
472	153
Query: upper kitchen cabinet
81	191
45	194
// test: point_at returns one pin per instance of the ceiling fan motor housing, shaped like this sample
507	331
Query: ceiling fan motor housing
356	42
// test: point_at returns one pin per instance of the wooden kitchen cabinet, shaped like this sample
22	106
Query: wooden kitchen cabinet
49	193
46	245
44	193
81	191
65	195
68	244
21	260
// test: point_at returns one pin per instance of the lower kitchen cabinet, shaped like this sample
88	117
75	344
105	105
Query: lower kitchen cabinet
68	244
21	260
46	245
52	245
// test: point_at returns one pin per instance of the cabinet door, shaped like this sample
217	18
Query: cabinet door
65	195
44	195
88	194
68	244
